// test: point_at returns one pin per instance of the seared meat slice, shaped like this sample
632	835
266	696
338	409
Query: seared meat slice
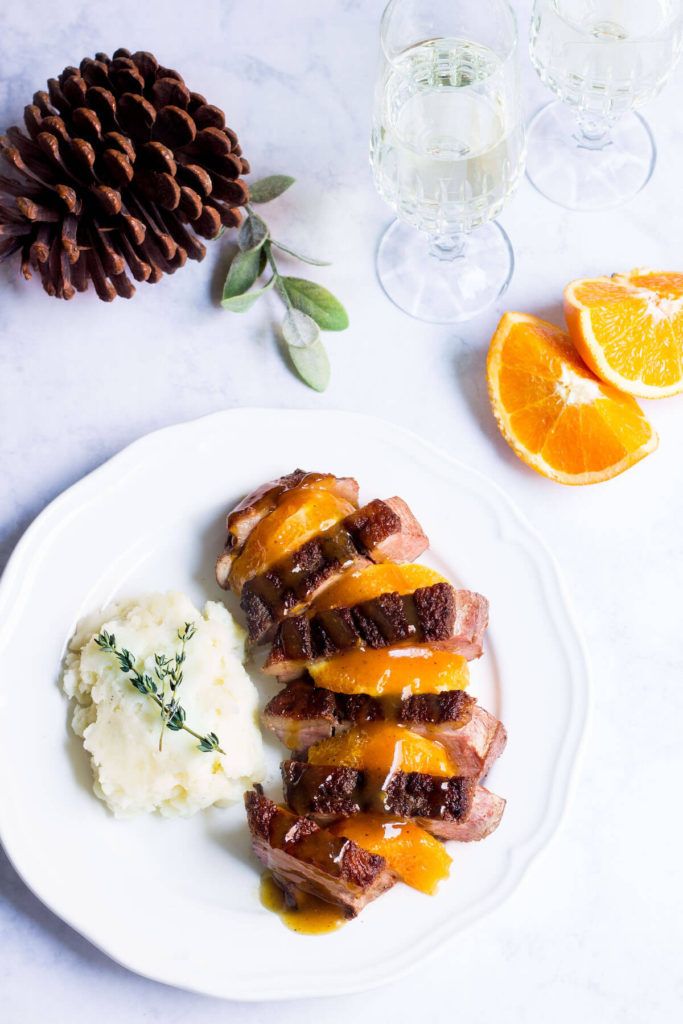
451	619
329	792
301	715
381	531
389	532
483	818
261	502
473	744
304	856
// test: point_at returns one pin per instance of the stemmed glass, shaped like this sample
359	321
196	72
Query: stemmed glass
588	149
447	151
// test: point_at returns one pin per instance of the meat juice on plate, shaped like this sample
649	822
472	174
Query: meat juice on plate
605	56
447	150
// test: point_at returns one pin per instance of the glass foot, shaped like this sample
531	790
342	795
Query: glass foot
446	281
581	173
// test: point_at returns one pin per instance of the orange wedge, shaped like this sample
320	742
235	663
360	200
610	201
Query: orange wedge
417	858
629	330
383	747
364	584
554	413
300	515
392	671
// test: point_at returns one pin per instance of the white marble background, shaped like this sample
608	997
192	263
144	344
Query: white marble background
594	933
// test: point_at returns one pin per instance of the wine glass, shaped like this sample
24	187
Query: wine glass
588	149
447	151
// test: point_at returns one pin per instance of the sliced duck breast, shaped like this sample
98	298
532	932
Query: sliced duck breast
450	619
304	856
380	531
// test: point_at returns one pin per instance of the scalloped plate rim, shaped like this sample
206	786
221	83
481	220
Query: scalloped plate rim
519	859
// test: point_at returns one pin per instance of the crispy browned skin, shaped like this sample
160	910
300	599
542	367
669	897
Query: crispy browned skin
261	502
380	531
447	618
483	818
331	791
301	715
304	856
452	808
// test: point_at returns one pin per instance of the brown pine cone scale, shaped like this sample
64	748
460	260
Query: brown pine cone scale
120	169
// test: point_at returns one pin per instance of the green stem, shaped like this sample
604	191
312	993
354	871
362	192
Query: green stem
184	728
282	291
268	249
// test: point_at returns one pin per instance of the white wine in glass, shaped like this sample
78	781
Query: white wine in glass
601	58
447	150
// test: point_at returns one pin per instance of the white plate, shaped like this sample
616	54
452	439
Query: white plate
178	900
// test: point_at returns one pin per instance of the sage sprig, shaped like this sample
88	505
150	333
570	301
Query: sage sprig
168	671
309	308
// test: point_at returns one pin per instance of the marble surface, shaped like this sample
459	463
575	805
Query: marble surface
595	930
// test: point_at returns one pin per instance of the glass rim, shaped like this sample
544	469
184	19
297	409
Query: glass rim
584	32
509	54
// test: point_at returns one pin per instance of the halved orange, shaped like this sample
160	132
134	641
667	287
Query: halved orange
554	413
629	330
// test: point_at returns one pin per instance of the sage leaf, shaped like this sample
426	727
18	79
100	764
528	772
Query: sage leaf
312	364
252	233
299	330
241	303
269	188
244	270
317	302
299	256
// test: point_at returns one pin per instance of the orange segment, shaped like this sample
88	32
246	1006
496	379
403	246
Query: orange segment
300	515
418	859
364	584
554	413
397	671
629	330
383	747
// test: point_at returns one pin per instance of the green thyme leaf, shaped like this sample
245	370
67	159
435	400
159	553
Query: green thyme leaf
176	719
269	188
317	302
299	256
209	742
299	330
241	303
312	365
252	233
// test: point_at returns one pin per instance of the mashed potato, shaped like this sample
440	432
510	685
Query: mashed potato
120	727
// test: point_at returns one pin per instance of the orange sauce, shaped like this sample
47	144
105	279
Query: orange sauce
386	747
393	671
300	515
365	584
311	916
418	859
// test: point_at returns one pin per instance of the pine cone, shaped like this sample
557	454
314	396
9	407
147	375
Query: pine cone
123	166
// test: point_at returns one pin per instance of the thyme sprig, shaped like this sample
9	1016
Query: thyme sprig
167	670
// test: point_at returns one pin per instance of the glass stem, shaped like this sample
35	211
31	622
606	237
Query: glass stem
448	247
594	130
